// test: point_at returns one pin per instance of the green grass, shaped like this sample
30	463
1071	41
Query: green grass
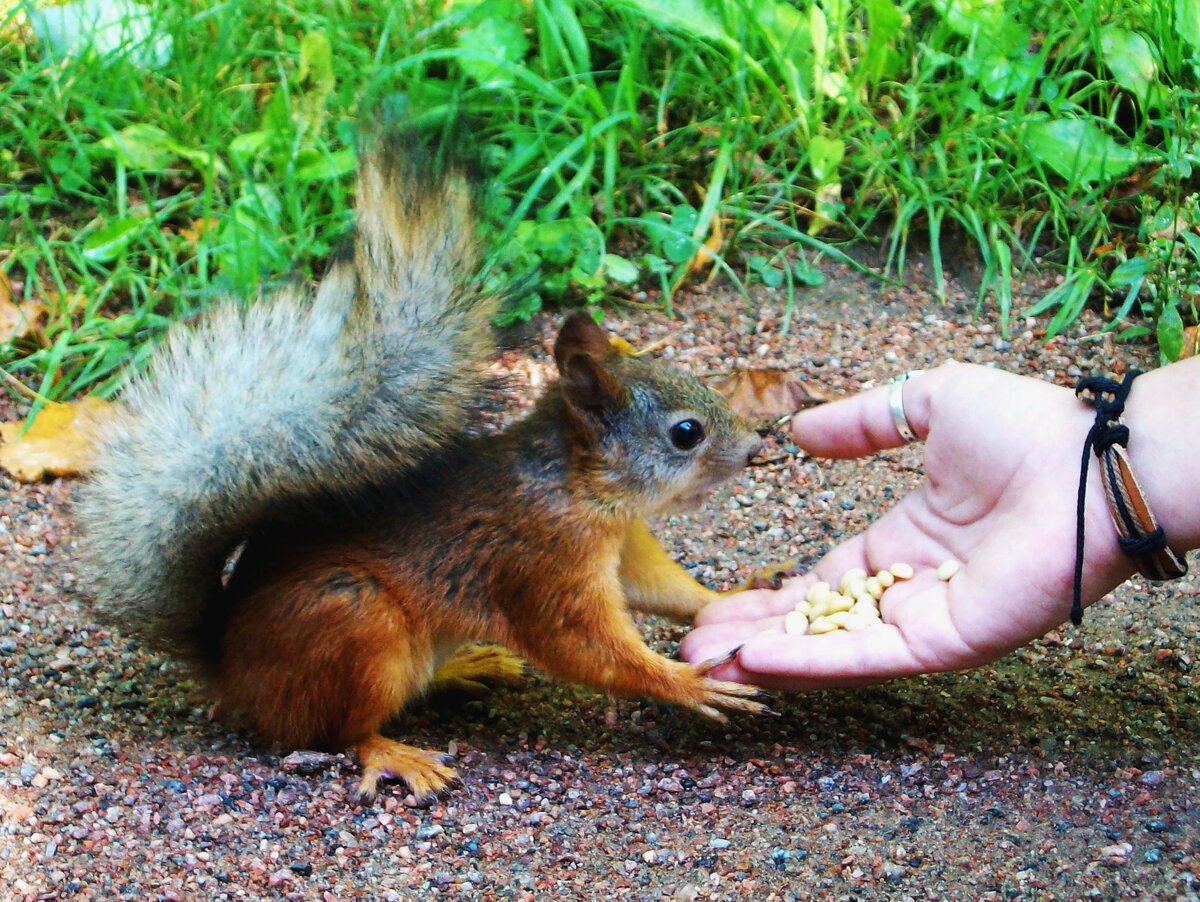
618	135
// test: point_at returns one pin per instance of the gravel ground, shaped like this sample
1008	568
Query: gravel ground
1066	771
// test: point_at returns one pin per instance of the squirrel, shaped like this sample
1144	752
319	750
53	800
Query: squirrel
317	439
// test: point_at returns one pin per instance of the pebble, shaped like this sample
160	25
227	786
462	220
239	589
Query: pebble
1075	774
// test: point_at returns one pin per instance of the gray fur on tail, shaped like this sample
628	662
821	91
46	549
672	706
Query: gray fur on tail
303	392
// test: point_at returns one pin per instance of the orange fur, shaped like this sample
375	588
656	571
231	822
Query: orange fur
329	629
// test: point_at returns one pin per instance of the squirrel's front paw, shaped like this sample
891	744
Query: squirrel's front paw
770	577
713	697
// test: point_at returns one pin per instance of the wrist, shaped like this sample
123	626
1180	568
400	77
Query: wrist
1163	416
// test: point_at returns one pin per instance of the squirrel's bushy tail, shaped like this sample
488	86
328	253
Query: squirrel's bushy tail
302	393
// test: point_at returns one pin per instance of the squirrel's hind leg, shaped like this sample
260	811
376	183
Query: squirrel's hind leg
387	759
323	657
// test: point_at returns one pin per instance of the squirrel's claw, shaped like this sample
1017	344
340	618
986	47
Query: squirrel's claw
725	693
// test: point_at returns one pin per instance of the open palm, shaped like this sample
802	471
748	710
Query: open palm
998	497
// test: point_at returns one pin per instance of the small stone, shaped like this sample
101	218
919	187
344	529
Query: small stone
1116	855
19	813
307	762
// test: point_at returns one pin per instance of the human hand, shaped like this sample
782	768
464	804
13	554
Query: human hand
1001	460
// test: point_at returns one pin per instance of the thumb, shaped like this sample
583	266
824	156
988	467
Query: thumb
863	424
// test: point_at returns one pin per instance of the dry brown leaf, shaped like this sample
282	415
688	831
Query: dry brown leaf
767	394
59	443
1191	342
18	321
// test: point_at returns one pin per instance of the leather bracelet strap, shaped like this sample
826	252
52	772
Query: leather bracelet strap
1140	535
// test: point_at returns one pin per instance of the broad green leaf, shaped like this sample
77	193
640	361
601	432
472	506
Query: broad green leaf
689	16
142	147
315	80
620	270
148	148
1002	76
819	27
781	24
1187	21
969	16
247	146
1080	152
500	39
883	23
324	166
109	242
772	276
1133	269
1170	333
1130	58
559	240
824	156
678	245
316	63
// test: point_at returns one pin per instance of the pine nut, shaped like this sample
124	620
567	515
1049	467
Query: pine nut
849	576
818	593
855	605
947	569
822	625
795	624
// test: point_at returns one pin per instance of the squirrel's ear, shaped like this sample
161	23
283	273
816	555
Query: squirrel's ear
581	352
589	388
581	335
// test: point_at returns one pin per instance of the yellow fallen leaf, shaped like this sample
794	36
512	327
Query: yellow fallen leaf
764	395
59	443
625	349
707	252
197	228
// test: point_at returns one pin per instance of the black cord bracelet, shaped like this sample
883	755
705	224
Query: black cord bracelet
1138	533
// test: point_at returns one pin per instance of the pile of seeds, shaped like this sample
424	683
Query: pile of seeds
854	604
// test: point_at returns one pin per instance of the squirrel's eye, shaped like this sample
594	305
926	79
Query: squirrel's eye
687	434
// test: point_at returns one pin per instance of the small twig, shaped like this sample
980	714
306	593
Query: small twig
24	389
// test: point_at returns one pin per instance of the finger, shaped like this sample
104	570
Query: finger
755	604
863	424
706	643
831	660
